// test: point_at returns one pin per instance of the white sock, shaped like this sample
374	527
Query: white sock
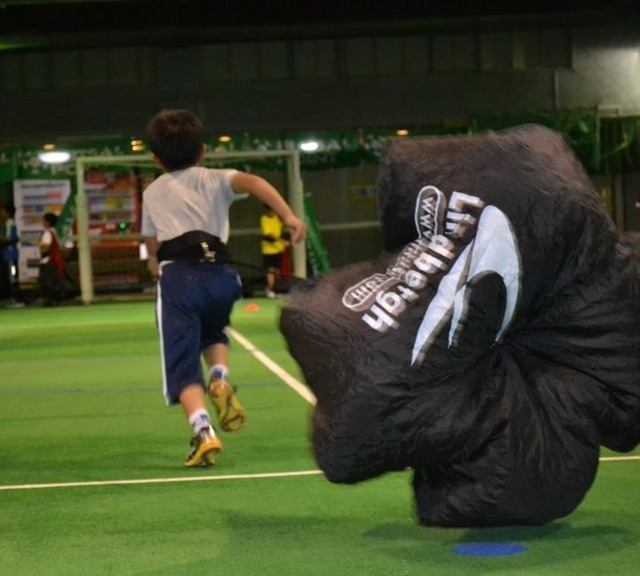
199	419
219	372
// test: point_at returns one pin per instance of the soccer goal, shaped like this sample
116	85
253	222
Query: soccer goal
95	233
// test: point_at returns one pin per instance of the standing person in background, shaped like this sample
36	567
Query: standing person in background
272	245
5	277
52	281
185	226
10	281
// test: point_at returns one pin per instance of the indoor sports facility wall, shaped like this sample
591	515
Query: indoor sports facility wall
108	256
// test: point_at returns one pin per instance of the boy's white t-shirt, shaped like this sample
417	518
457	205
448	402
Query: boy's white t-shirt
195	198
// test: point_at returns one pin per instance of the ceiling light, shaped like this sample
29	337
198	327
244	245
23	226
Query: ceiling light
54	157
309	146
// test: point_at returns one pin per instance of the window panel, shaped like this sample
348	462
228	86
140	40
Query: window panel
359	54
416	55
389	56
66	69
94	65
215	63
244	63
10	72
314	59
123	66
555	49
35	71
496	52
147	66
274	60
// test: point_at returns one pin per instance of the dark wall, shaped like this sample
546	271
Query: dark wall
389	76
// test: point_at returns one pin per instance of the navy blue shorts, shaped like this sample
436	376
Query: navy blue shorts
193	308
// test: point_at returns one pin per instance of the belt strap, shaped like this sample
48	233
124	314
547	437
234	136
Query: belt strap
194	246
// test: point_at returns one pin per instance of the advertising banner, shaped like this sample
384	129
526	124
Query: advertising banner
33	198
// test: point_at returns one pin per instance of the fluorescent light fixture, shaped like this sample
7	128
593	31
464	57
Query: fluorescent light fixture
137	145
309	146
54	157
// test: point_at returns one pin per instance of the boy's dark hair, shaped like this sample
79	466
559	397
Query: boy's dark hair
176	138
50	218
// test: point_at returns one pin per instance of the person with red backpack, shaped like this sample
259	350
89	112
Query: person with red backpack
52	282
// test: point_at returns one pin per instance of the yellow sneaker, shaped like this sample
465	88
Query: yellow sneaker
231	414
205	446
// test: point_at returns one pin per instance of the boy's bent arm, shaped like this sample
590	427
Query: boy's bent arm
151	242
265	192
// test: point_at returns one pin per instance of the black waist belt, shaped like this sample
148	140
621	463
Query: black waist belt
194	246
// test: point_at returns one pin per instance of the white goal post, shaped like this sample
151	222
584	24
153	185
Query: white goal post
85	266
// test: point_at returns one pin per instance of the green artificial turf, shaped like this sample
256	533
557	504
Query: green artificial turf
81	403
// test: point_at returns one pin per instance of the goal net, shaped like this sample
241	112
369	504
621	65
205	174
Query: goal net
111	256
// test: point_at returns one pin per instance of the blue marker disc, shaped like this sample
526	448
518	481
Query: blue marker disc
489	549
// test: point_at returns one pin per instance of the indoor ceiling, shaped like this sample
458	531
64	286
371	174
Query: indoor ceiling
55	24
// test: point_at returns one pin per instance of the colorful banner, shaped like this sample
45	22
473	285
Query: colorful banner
336	150
33	198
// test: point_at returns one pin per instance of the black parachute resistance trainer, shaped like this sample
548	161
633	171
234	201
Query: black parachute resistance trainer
492	348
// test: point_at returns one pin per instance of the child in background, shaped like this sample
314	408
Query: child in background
272	245
185	225
52	281
9	271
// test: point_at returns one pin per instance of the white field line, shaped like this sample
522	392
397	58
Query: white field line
158	480
144	481
289	380
618	458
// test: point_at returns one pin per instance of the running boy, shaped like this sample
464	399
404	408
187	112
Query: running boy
185	225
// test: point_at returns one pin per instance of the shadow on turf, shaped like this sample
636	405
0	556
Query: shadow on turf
279	543
572	541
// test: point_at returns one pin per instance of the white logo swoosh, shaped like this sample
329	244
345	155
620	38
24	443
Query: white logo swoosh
494	250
